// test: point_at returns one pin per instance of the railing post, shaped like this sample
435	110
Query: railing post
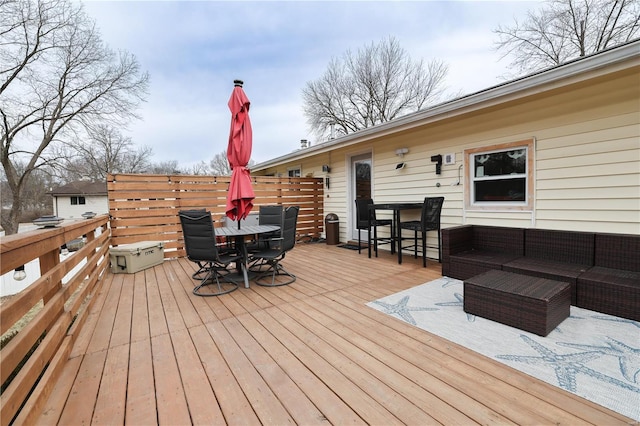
47	262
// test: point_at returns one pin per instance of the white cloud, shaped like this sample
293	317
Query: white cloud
194	50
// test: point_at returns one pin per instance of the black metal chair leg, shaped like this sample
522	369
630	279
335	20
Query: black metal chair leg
424	249
375	240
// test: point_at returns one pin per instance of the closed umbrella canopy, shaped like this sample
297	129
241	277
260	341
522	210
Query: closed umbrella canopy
240	196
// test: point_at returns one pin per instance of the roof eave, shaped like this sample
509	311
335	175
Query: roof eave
624	56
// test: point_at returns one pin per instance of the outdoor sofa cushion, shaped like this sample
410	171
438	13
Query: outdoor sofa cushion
470	250
557	255
610	291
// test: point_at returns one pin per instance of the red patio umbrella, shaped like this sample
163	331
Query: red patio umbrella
240	196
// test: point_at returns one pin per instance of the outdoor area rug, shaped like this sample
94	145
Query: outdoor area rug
593	355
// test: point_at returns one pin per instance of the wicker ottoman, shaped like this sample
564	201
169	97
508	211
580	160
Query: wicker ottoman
532	304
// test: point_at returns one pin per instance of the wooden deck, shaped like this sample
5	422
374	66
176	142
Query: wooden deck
307	353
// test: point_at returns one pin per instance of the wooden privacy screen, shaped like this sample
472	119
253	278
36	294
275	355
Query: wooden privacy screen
145	207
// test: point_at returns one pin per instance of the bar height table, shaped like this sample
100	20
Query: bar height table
396	208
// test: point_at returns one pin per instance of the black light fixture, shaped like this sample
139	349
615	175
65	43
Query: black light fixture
326	168
438	160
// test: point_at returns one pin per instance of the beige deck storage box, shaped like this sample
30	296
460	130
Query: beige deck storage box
131	258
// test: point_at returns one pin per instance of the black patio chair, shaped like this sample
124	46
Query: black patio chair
362	222
222	244
268	215
429	221
201	247
202	267
274	253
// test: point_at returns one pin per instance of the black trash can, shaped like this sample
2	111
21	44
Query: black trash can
332	229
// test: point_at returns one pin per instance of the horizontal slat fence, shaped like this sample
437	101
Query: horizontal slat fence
46	316
145	207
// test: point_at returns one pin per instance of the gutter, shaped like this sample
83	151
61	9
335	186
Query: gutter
580	69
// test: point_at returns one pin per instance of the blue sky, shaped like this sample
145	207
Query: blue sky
194	50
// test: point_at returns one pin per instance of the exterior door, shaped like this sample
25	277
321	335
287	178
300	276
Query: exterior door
360	187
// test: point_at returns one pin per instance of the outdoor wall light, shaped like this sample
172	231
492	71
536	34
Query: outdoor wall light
19	274
438	160
326	168
400	152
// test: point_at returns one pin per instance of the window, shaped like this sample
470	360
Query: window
500	177
294	172
77	200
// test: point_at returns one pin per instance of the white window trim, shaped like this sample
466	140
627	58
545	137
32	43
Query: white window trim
290	169
527	205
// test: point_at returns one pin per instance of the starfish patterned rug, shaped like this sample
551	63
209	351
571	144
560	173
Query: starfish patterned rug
593	355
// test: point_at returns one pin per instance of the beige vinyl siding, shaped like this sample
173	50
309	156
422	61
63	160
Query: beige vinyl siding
588	171
587	156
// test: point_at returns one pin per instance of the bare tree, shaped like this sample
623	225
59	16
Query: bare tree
219	165
567	29
377	84
165	168
104	151
56	77
36	199
199	169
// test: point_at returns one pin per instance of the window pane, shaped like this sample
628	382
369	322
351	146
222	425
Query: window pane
500	190
363	178
81	200
500	163
74	201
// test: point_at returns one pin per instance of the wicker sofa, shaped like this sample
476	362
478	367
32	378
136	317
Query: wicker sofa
602	269
613	284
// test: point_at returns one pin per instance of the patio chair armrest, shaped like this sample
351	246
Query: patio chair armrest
276	243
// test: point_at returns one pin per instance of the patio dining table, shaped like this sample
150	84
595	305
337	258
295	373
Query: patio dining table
396	208
239	235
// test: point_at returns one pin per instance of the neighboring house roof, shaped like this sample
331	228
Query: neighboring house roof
81	187
581	69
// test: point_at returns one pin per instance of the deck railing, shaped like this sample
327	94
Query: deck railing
50	312
145	207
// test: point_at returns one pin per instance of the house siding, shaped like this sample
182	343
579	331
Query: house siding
93	203
586	159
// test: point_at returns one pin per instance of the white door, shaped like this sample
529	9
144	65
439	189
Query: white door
361	172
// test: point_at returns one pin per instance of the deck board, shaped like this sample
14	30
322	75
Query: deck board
229	394
110	404
197	389
335	409
170	395
309	353
141	394
267	406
